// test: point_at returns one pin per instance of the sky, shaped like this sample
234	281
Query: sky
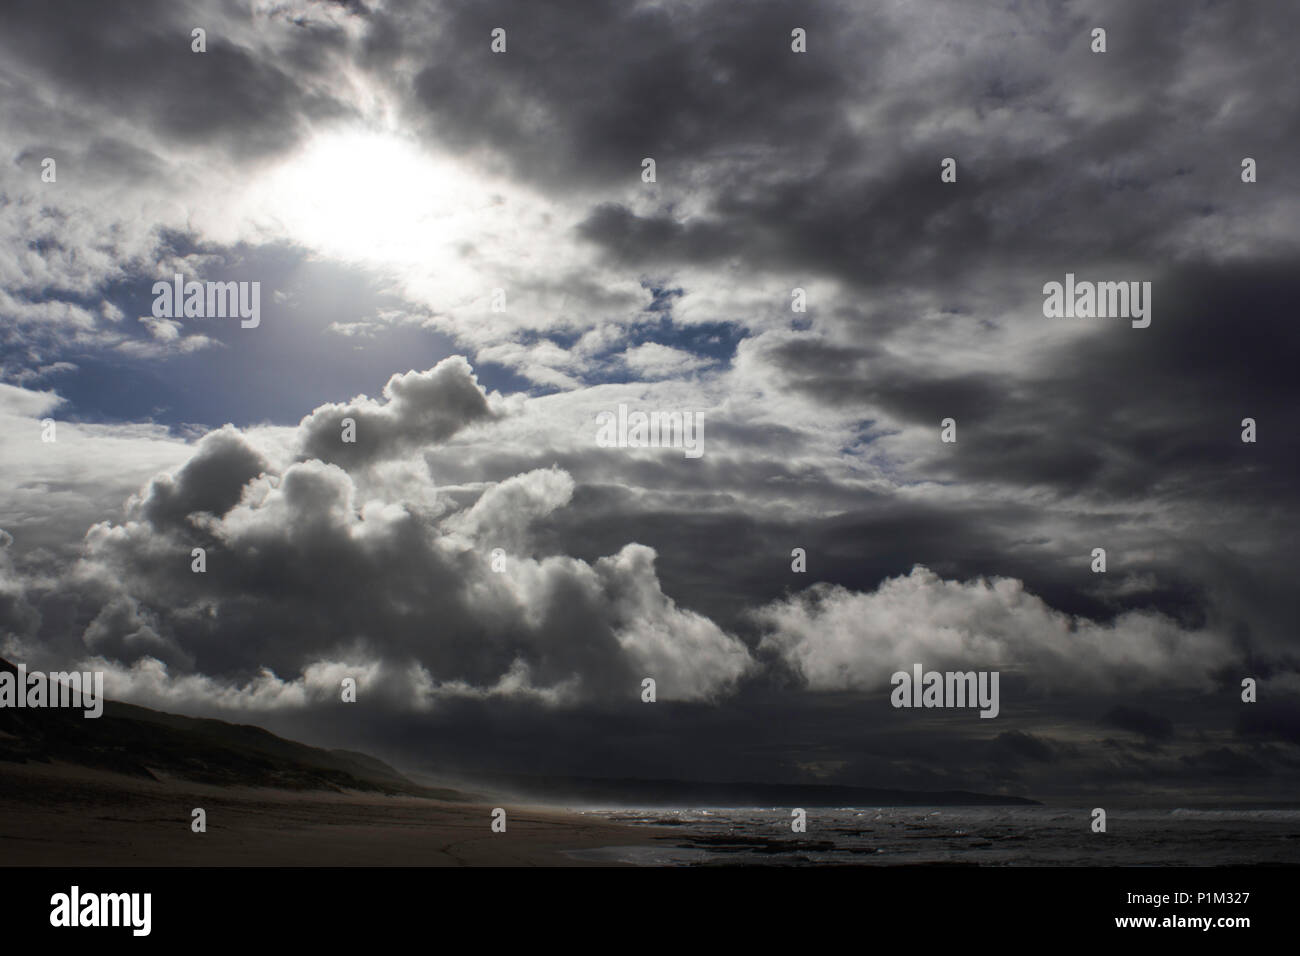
460	251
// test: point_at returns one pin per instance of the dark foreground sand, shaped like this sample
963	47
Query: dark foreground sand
61	815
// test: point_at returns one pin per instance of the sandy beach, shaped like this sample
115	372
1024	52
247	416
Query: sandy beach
63	815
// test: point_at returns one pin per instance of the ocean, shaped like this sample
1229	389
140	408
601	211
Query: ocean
984	836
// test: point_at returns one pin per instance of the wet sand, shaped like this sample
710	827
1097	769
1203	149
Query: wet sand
63	815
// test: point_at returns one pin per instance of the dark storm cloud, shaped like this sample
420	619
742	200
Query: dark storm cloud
1020	746
419	408
103	159
1076	156
310	573
1233	764
316	571
656	241
1133	417
586	90
1128	416
1121	414
209	483
724	561
1139	721
1271	720
233	98
17	616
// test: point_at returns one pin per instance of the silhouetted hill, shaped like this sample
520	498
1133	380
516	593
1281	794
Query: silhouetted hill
149	743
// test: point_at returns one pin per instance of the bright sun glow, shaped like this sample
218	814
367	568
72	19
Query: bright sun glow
370	197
